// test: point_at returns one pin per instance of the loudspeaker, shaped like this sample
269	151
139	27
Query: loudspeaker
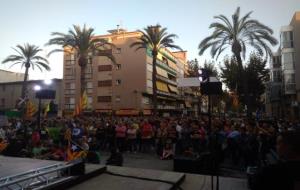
45	94
211	88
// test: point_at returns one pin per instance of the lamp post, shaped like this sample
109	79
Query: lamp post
37	88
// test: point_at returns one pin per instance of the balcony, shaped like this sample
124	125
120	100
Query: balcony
166	67
166	80
290	88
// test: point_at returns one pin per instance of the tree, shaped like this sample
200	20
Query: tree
237	35
155	38
193	68
256	73
27	57
83	42
211	69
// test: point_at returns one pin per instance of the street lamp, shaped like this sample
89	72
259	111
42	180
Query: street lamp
37	88
48	81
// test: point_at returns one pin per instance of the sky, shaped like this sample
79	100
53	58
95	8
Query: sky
32	21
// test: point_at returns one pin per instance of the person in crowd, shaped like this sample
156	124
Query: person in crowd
121	135
146	136
167	151
285	174
115	158
131	138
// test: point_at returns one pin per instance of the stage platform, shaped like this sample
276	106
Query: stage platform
102	177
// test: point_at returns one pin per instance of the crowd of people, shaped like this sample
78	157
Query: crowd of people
243	142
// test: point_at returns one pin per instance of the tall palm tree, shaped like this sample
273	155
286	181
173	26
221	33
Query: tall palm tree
27	56
83	42
237	35
156	38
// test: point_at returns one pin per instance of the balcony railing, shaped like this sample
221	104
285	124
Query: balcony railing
290	88
166	80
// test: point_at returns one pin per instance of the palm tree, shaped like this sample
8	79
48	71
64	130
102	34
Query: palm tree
27	56
84	43
237	35
156	38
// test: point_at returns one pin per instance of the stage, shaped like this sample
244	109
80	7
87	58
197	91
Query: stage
119	178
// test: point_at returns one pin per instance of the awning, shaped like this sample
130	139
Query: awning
173	89
161	72
127	112
162	86
147	112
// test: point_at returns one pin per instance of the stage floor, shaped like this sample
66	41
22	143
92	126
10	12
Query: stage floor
14	165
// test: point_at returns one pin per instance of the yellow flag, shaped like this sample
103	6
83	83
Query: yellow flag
47	110
84	101
30	109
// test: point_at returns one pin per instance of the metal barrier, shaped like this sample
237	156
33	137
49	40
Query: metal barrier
38	178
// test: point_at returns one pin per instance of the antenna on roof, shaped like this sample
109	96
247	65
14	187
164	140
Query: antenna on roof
118	28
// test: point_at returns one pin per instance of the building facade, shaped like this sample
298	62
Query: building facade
125	87
8	76
10	92
284	88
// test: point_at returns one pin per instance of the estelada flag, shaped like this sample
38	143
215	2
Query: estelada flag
74	152
3	146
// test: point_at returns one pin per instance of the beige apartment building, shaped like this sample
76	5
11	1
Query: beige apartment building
7	76
10	92
125	87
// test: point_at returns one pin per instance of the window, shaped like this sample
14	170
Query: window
103	83
287	39
118	81
90	101
146	100
165	60
149	83
70	60
72	57
104	98
289	78
70	71
104	68
118	51
288	61
70	88
118	66
89	87
69	103
118	98
2	102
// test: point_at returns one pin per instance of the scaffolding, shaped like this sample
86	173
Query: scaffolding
38	178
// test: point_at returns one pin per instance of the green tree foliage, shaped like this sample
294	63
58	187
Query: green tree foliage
256	73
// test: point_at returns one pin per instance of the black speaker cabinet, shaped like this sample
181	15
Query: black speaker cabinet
211	88
45	94
78	168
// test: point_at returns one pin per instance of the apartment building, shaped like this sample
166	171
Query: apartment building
125	87
7	76
285	72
